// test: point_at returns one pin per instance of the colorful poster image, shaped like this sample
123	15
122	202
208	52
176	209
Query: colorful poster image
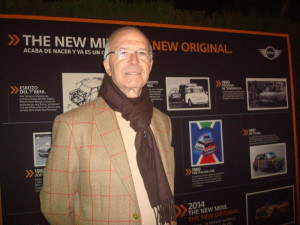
80	88
206	142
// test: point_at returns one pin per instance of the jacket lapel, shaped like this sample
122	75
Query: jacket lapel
109	129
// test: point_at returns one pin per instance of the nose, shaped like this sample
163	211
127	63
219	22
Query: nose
133	58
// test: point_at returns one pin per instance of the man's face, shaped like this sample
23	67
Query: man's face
130	74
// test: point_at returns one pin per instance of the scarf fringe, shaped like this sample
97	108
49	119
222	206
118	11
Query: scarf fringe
165	212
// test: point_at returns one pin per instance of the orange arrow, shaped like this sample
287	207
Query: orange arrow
29	173
218	83
181	210
245	132
17	39
188	172
11	38
14	39
15	90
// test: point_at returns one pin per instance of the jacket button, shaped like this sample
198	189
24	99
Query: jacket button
135	216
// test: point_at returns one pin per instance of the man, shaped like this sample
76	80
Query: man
111	160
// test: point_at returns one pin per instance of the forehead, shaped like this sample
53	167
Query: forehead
129	38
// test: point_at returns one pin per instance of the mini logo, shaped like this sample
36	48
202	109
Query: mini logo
270	52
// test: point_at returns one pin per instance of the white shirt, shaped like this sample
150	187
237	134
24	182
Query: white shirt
128	134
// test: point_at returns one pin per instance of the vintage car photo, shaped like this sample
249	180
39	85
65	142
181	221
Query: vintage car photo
187	93
44	151
41	147
192	94
273	95
268	160
174	95
266	94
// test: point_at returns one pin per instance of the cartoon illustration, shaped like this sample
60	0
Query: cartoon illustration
80	88
87	91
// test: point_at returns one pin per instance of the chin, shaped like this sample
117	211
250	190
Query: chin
135	84
133	87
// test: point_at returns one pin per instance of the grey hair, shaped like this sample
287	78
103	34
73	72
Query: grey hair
112	36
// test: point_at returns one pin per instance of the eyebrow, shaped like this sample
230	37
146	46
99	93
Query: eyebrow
130	50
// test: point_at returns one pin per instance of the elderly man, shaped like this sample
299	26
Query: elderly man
111	160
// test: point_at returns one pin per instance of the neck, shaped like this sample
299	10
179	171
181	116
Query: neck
132	93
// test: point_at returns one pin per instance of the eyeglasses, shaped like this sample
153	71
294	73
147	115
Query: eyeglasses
126	53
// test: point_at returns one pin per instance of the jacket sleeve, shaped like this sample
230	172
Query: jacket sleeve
61	175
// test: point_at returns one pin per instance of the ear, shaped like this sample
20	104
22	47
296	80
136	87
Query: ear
151	64
107	67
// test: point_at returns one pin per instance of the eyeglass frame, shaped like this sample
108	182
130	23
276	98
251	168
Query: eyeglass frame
130	51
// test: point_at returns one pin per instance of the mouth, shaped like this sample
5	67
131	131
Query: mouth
133	73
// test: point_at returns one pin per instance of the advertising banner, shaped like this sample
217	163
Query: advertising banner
229	95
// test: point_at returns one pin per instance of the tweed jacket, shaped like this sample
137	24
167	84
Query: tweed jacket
87	179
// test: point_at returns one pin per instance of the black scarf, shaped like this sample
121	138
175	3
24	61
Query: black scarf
139	112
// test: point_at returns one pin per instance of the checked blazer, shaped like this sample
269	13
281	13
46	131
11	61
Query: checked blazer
87	179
